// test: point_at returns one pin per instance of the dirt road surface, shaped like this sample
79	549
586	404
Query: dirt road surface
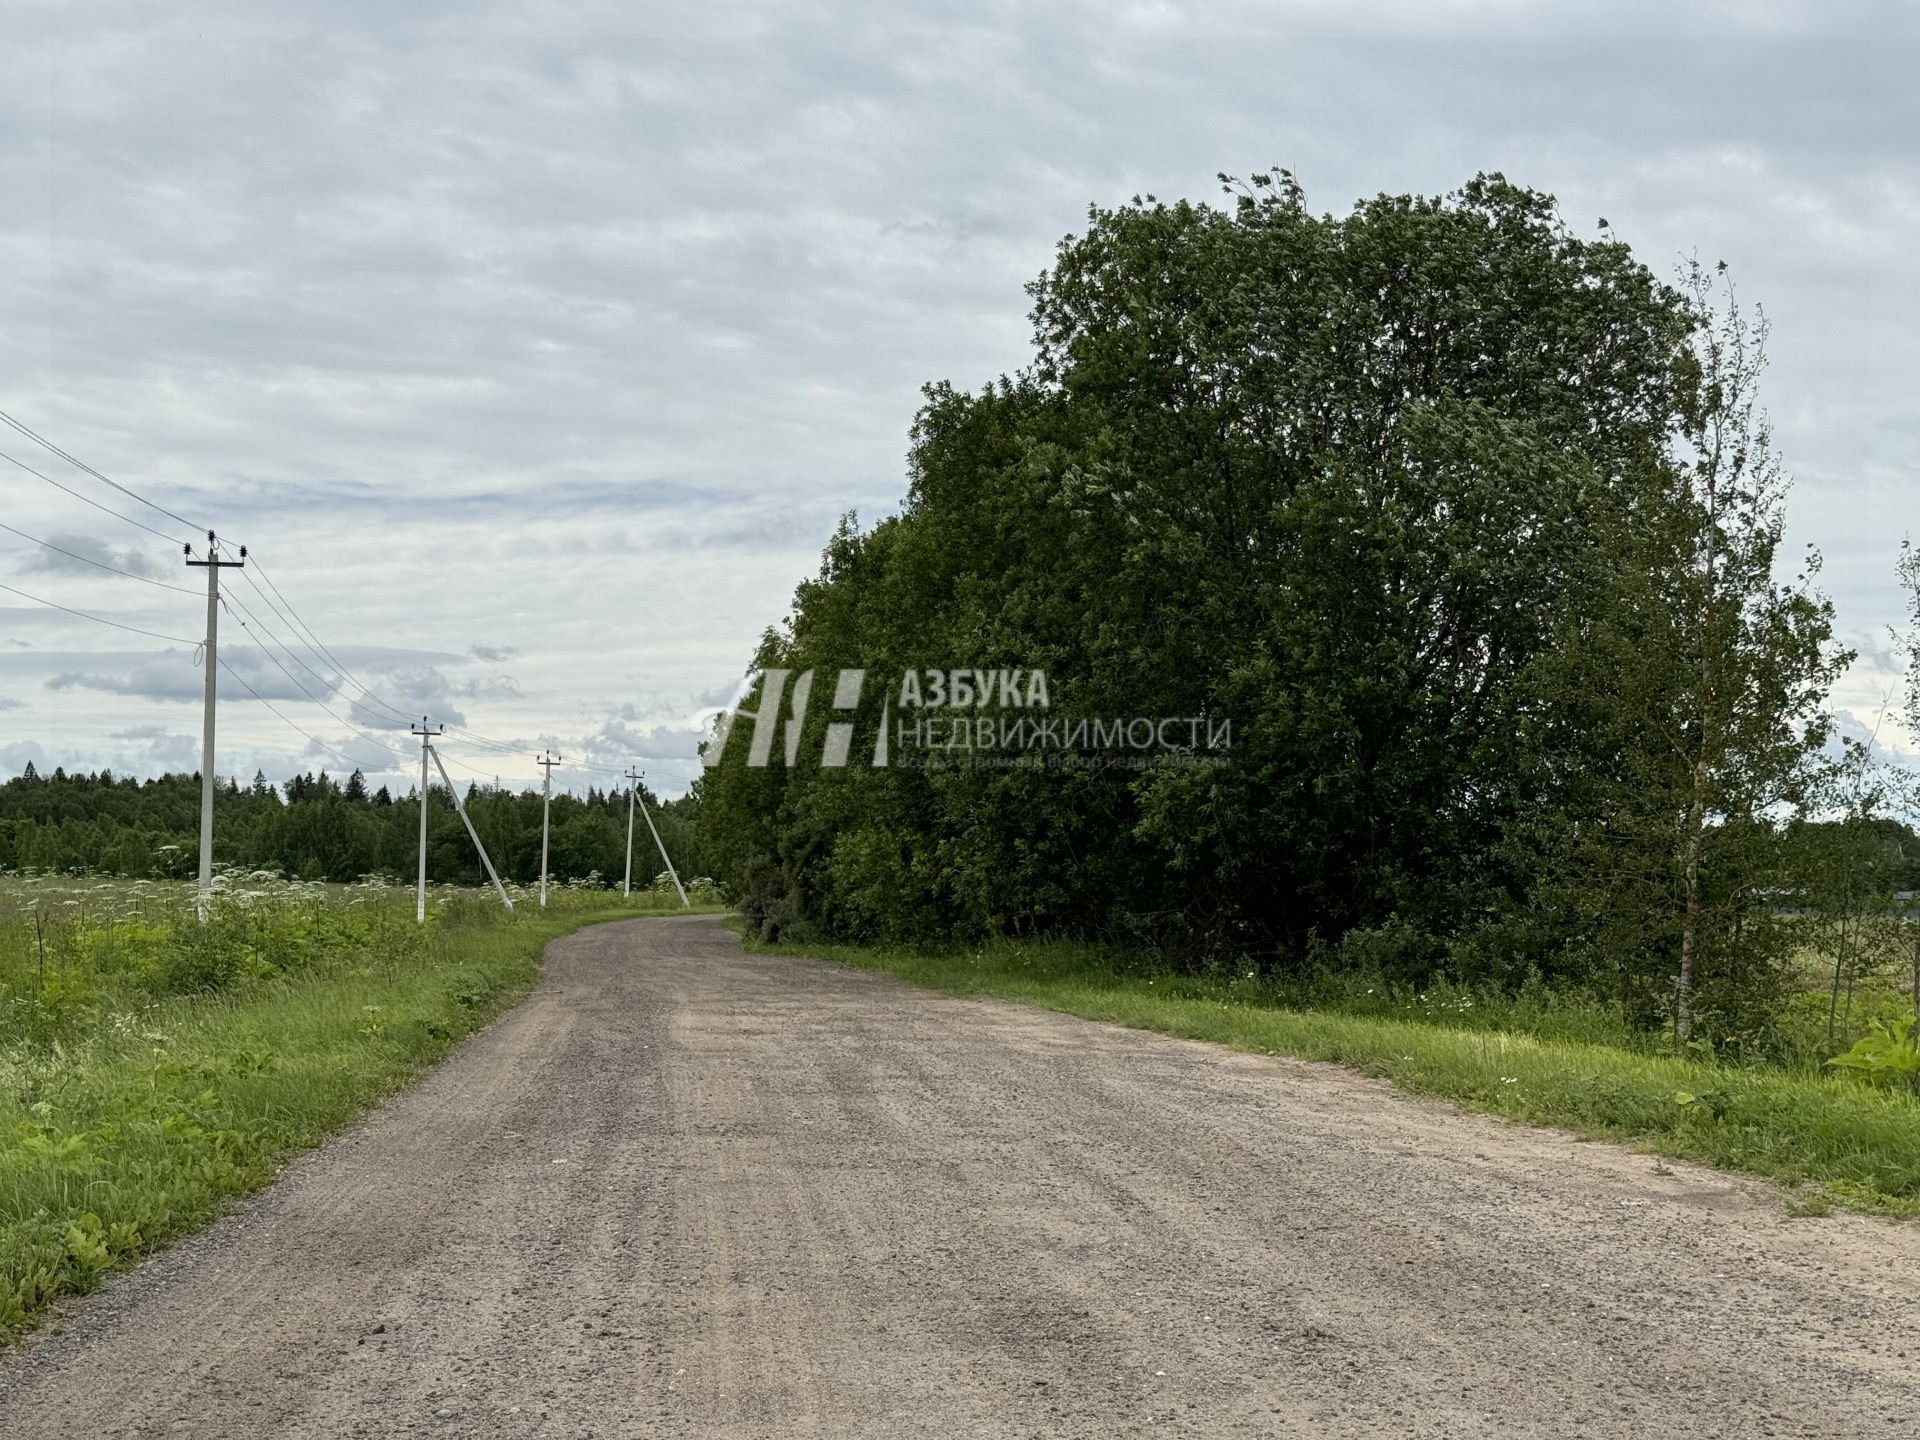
685	1191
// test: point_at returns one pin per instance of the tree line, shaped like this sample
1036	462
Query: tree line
1467	525
318	828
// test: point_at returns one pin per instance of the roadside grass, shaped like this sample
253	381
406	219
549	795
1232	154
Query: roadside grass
1533	1059
152	1073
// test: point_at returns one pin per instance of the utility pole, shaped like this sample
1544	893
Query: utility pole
549	760
213	565
633	789
659	844
426	745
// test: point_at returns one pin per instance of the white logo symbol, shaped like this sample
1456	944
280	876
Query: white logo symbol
773	685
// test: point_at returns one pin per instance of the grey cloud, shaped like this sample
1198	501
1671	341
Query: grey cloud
133	559
161	749
494	654
489	687
1885	733
172	754
151	682
176	677
7	702
17	756
411	690
359	753
720	697
619	743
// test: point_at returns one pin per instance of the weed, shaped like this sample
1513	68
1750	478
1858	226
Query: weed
152	1070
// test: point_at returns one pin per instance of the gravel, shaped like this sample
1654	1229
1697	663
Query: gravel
684	1191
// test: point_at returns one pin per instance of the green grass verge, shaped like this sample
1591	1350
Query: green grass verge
133	1127
1850	1143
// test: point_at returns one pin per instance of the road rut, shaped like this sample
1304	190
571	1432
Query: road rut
686	1191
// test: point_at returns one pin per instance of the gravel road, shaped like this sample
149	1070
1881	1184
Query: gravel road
684	1191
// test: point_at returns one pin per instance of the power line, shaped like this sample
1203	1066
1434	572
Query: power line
246	615
462	765
314	648
326	683
181	640
309	694
298	626
348	759
97	564
501	746
88	499
318	648
101	620
80	464
302	632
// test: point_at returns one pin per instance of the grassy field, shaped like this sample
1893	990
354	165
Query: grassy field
152	1070
1536	1057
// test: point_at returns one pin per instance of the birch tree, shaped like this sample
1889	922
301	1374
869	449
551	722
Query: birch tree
1726	667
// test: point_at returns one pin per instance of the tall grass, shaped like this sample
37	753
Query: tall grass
152	1069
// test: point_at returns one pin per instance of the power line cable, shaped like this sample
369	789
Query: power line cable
101	620
461	765
503	746
328	683
88	499
313	641
288	615
181	640
309	694
80	464
341	755
295	624
97	564
322	680
285	610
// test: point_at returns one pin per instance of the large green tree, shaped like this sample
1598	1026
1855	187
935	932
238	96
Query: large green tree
1338	480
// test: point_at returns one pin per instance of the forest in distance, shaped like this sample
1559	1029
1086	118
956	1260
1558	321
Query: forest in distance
314	827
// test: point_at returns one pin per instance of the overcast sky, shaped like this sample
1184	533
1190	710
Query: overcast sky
535	348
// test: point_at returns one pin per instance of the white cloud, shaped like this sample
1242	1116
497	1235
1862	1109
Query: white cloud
536	352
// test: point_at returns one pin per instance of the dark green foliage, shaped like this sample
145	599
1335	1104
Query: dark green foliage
1399	494
322	830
